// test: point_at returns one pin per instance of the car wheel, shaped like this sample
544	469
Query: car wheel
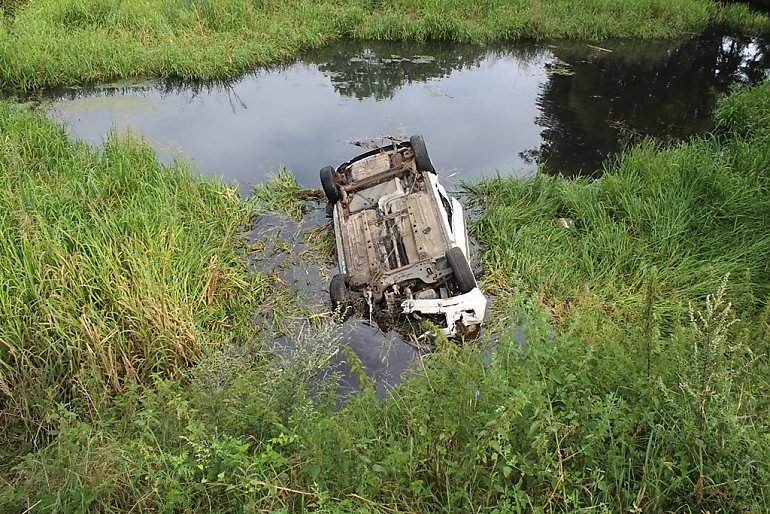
338	291
421	157
461	269
331	189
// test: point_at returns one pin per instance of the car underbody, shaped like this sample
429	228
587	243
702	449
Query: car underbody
401	240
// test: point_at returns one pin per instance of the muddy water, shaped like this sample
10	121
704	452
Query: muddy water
285	252
482	109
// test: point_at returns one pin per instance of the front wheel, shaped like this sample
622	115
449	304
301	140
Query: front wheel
421	157
461	269
331	189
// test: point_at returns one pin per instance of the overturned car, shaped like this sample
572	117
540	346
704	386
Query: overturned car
402	243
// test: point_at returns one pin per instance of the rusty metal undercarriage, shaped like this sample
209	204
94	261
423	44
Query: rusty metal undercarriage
401	240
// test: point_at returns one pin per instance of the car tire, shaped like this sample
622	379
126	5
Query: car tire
461	269
330	187
338	291
421	157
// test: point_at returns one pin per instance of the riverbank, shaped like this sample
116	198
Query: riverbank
48	43
132	375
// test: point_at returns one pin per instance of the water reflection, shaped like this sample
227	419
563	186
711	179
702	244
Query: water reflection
630	89
378	69
482	109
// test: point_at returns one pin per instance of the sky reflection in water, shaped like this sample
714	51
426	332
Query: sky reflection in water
482	110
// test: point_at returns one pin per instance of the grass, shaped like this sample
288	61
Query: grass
557	425
281	193
629	373
113	268
630	368
47	43
680	216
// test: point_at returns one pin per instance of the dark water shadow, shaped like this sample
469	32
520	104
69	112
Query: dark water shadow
357	350
281	250
611	93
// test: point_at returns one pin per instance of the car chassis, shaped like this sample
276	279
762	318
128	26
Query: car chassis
402	242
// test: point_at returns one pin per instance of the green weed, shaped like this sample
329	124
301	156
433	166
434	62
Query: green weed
628	373
281	193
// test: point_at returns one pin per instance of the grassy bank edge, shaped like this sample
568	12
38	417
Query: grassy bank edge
115	268
49	43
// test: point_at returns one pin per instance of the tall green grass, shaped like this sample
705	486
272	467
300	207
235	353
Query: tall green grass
746	113
678	217
549	425
113	268
64	42
629	371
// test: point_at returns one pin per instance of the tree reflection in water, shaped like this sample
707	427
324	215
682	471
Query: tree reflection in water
377	69
596	97
640	89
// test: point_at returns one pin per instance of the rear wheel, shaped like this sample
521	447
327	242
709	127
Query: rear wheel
338	291
421	157
331	189
462	270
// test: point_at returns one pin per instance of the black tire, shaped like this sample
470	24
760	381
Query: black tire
331	189
421	157
338	291
462	270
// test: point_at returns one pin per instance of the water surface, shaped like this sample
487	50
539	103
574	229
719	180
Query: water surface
503	108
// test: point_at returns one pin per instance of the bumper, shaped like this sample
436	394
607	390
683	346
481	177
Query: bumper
468	309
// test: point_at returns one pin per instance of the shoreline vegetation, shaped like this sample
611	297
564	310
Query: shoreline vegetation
630	371
49	43
132	376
